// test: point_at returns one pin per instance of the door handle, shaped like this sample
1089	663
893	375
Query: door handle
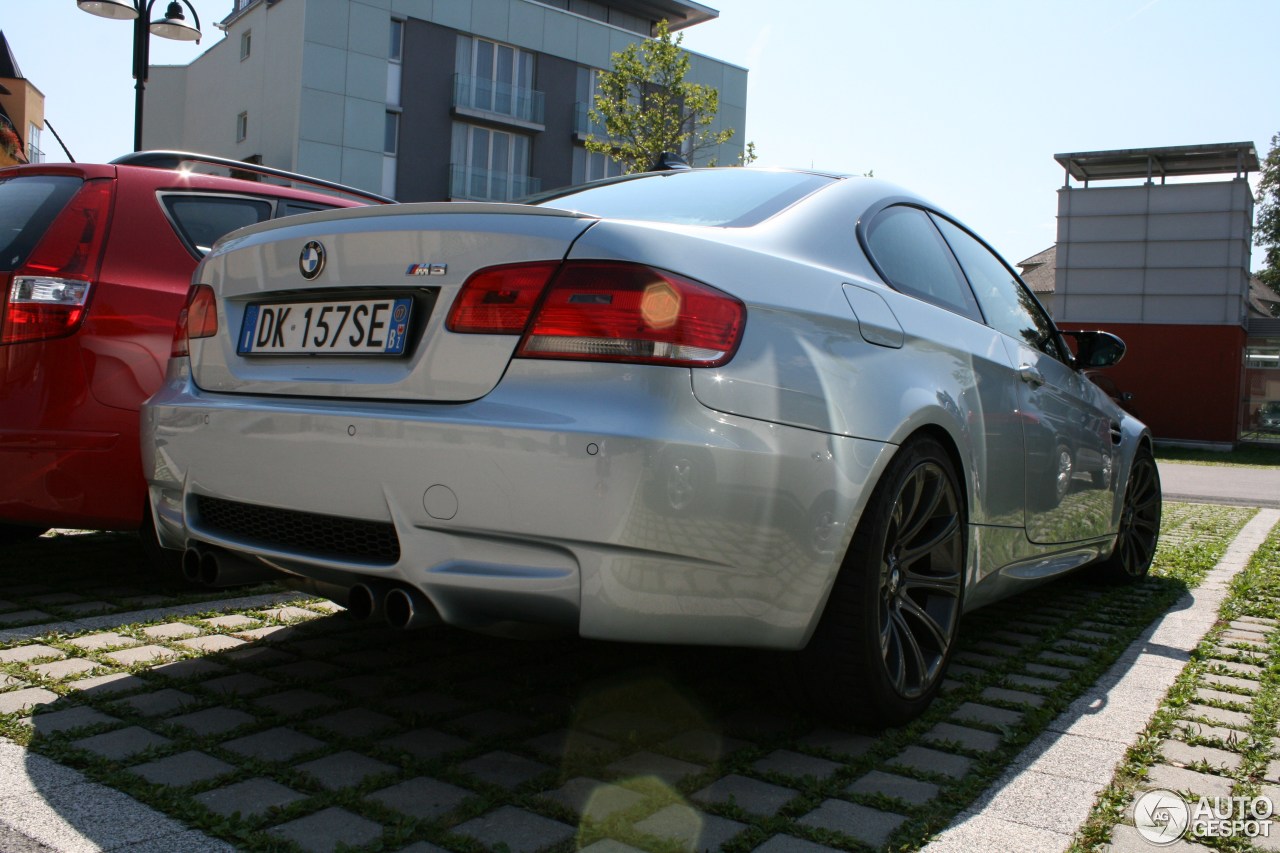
1030	375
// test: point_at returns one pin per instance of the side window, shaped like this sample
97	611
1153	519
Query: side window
1007	303
911	255
201	220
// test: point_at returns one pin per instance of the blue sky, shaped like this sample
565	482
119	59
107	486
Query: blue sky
964	102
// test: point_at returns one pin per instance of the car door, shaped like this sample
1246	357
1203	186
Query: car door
1067	433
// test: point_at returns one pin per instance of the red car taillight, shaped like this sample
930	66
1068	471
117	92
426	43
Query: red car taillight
47	296
197	319
602	311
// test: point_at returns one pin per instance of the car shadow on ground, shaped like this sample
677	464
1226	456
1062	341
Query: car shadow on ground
276	722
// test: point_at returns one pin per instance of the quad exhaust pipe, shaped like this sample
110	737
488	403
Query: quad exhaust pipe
402	607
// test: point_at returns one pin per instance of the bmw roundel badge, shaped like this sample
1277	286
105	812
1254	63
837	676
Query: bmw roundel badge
311	261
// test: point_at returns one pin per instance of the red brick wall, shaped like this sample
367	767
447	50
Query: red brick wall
1187	381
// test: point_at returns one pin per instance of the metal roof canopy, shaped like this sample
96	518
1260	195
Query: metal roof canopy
1173	161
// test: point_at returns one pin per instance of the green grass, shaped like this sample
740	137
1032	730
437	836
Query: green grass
1251	456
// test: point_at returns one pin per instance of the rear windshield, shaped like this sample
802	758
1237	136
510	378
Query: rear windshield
730	197
27	205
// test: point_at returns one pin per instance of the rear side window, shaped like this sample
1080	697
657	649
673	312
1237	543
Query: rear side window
912	257
27	205
200	219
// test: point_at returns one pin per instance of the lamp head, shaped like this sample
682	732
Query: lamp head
118	9
174	25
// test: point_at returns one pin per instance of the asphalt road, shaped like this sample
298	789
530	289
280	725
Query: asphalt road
1220	484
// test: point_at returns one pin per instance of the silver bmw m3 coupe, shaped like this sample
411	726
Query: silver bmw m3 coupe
763	408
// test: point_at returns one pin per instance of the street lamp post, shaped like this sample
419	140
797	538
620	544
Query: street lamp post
172	26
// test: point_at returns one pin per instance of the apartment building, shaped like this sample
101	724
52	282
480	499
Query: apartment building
423	100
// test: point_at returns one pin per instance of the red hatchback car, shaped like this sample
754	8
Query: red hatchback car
95	264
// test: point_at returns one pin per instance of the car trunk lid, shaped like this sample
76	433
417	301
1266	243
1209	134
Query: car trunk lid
353	304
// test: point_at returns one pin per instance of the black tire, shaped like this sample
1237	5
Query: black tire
880	651
1139	529
13	533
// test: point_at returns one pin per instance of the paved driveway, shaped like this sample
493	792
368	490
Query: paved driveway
1220	484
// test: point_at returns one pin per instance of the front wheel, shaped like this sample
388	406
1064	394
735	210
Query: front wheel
886	636
1139	523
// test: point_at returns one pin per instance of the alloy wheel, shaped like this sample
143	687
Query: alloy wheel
1140	518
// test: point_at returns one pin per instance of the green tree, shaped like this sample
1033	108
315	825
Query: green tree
648	109
1266	233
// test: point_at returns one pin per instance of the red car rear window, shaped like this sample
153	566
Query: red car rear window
27	205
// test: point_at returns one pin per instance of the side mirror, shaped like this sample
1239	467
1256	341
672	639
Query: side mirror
1097	349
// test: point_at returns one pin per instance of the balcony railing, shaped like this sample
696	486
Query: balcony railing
486	185
584	126
502	99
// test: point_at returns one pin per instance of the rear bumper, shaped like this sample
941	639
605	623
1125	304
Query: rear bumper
603	497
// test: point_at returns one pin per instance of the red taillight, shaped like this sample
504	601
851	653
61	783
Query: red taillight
47	297
498	300
606	311
601	311
197	319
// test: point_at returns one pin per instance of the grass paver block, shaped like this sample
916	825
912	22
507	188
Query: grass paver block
1181	779
870	826
250	798
24	654
790	844
24	617
212	721
344	769
424	743
210	643
185	768
140	655
171	631
232	622
593	799
268	634
628	726
427	704
102	640
7	681
1207	694
565	743
933	761
183	670
975	713
705	745
1219	680
421	798
297	702
67	719
121	743
158	703
910	791
1230	737
963	735
278	744
111	683
692	829
1248	670
1046	671
355	722
325	830
18	701
491	722
1177	752
1032	682
288	614
838	742
504	769
256	656
1219	716
306	670
797	765
748	794
239	684
80	608
519	830
669	770
1013	697
67	668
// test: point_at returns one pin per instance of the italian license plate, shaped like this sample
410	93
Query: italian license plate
348	327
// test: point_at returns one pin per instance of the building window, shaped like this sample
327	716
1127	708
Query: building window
242	127
496	78
391	137
246	44
34	153
396	51
591	166
489	165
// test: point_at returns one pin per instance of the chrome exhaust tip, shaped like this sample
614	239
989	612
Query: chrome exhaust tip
408	609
